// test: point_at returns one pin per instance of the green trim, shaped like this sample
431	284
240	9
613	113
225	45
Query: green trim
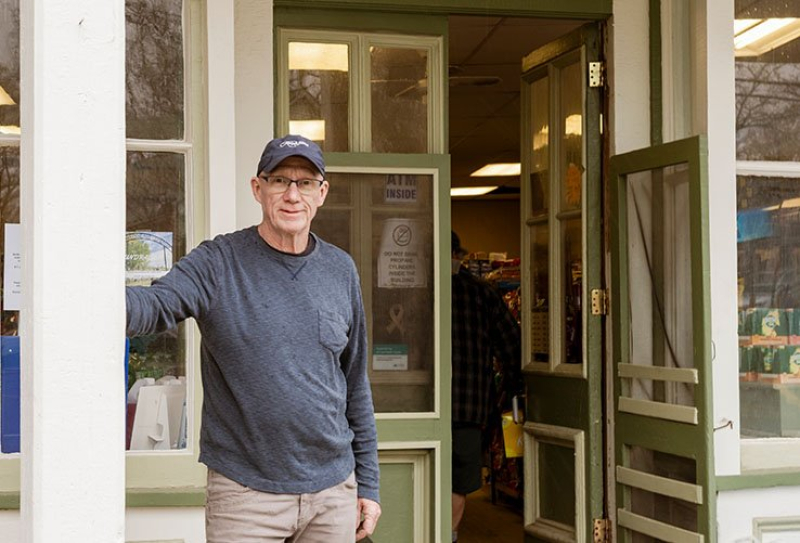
656	86
9	500
173	497
291	16
573	9
758	480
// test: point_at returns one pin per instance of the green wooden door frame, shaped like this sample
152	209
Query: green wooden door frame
574	9
563	407
427	432
686	440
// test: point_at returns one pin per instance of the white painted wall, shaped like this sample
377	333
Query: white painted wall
629	76
73	223
220	59
254	99
714	107
737	510
142	524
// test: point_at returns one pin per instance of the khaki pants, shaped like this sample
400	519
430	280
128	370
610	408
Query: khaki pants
237	514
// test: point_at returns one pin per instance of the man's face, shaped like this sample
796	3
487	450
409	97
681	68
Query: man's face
289	213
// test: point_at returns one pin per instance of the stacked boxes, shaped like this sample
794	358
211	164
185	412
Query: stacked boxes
769	345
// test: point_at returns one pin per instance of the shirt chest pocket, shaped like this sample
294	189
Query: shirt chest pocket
332	331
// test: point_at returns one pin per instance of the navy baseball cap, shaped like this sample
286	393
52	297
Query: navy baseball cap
281	148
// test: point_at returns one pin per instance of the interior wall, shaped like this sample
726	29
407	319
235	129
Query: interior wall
488	225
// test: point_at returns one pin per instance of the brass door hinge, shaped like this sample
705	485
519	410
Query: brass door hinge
599	301
602	531
596	74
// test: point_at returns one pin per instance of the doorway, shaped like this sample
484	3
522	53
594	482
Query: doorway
485	126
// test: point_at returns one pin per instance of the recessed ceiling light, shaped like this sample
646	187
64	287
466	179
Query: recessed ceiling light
470	191
753	37
497	170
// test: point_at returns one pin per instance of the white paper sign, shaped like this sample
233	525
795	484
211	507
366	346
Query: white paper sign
12	268
401	189
390	357
401	262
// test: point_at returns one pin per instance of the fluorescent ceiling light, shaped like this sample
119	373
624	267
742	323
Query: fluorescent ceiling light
10	130
470	191
313	130
5	99
762	35
497	170
318	56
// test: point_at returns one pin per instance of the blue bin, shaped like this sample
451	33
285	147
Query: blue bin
9	394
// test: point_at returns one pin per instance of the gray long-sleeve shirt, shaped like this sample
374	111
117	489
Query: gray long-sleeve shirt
287	405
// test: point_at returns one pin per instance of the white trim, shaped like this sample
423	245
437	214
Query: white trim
660	485
656	529
421	481
765	525
658	373
766	168
658	410
571	438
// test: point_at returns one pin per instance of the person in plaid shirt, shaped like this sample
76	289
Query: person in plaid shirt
483	330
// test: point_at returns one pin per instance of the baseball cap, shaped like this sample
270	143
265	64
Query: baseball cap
292	145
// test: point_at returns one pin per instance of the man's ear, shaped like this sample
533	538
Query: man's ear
325	187
256	188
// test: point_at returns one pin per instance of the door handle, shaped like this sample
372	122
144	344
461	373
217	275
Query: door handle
517	413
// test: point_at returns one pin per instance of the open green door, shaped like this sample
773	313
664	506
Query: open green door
662	344
562	260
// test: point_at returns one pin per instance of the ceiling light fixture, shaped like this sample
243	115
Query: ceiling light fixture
5	99
313	130
456	192
318	56
10	130
497	170
753	37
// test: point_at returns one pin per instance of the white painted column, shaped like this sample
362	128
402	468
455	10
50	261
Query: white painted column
714	98
73	222
629	76
254	99
222	178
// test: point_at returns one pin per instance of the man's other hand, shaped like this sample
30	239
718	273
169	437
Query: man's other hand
368	514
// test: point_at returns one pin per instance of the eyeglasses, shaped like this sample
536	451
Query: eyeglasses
278	184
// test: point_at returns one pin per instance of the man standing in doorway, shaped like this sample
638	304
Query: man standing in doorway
483	330
288	430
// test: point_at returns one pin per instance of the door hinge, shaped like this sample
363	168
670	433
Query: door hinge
602	531
596	74
599	301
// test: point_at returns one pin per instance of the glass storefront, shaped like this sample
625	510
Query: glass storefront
768	216
158	175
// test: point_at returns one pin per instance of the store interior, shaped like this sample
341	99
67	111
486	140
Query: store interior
485	59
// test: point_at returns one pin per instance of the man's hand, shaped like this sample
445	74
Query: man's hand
367	517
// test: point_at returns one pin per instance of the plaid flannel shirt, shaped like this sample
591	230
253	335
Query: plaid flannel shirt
483	329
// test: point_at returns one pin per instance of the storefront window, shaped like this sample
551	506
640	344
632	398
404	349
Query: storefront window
9	225
157	177
768	216
385	221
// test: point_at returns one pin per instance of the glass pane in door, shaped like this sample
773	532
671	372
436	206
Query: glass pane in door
540	140
319	93
571	124
399	87
540	294
572	277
